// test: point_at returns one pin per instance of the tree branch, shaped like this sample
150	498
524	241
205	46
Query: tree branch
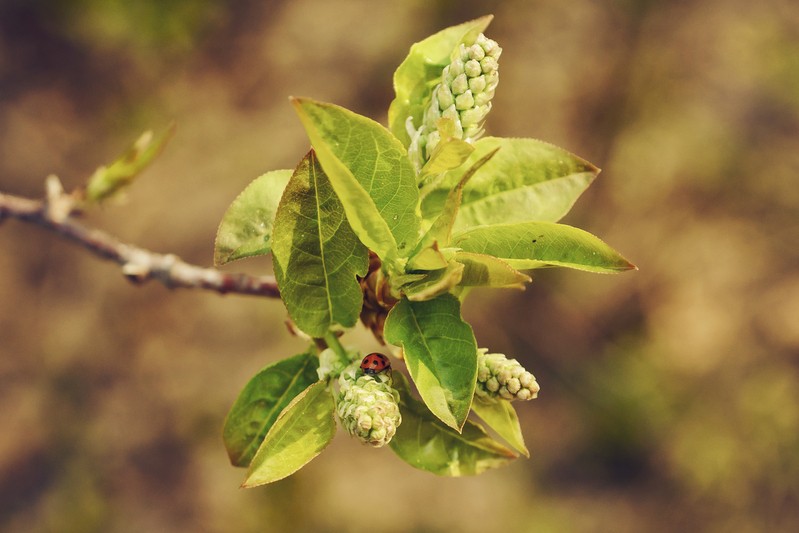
138	265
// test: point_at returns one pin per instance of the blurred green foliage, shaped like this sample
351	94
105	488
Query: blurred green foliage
166	26
668	397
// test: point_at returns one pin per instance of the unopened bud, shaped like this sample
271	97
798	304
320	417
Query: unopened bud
463	95
498	376
367	406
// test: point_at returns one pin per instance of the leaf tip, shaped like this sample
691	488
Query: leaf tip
298	102
625	264
248	485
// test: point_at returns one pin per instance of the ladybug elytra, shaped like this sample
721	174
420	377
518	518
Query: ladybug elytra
374	363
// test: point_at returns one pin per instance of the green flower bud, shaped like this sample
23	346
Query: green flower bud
476	85
367	406
476	52
498	376
463	95
330	364
472	68
464	101
460	84
445	96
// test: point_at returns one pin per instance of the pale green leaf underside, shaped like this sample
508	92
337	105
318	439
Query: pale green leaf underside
317	256
371	174
436	282
440	352
416	76
429	257
246	227
526	245
487	271
424	442
500	416
261	401
527	180
304	428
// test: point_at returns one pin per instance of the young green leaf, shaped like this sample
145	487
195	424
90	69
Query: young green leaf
246	227
304	428
440	232
528	180
449	154
429	257
417	74
440	352
500	416
316	254
436	282
262	400
371	174
424	442
108	180
525	245
487	271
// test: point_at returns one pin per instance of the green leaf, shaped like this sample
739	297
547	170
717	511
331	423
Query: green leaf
434	283
416	76
450	153
526	245
316	254
488	271
262	400
500	416
440	352
429	257
424	442
304	428
108	180
528	180
440	232
371	174
246	227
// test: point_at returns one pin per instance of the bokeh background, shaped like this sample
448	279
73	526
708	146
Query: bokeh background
670	395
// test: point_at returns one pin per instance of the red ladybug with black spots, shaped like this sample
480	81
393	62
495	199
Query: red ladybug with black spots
375	363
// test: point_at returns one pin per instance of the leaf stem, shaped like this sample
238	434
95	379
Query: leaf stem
331	339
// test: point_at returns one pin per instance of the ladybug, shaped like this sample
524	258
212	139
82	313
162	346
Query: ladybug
375	363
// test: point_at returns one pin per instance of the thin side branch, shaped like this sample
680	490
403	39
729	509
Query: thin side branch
138	265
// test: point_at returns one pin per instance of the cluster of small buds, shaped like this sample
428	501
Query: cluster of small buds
330	364
498	376
367	406
463	96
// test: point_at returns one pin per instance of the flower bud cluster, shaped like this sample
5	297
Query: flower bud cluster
367	406
330	364
463	96
500	377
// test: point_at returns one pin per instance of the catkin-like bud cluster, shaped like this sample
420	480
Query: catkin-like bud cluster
330	364
367	406
498	376
463	96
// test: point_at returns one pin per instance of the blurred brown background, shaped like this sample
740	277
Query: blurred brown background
669	395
